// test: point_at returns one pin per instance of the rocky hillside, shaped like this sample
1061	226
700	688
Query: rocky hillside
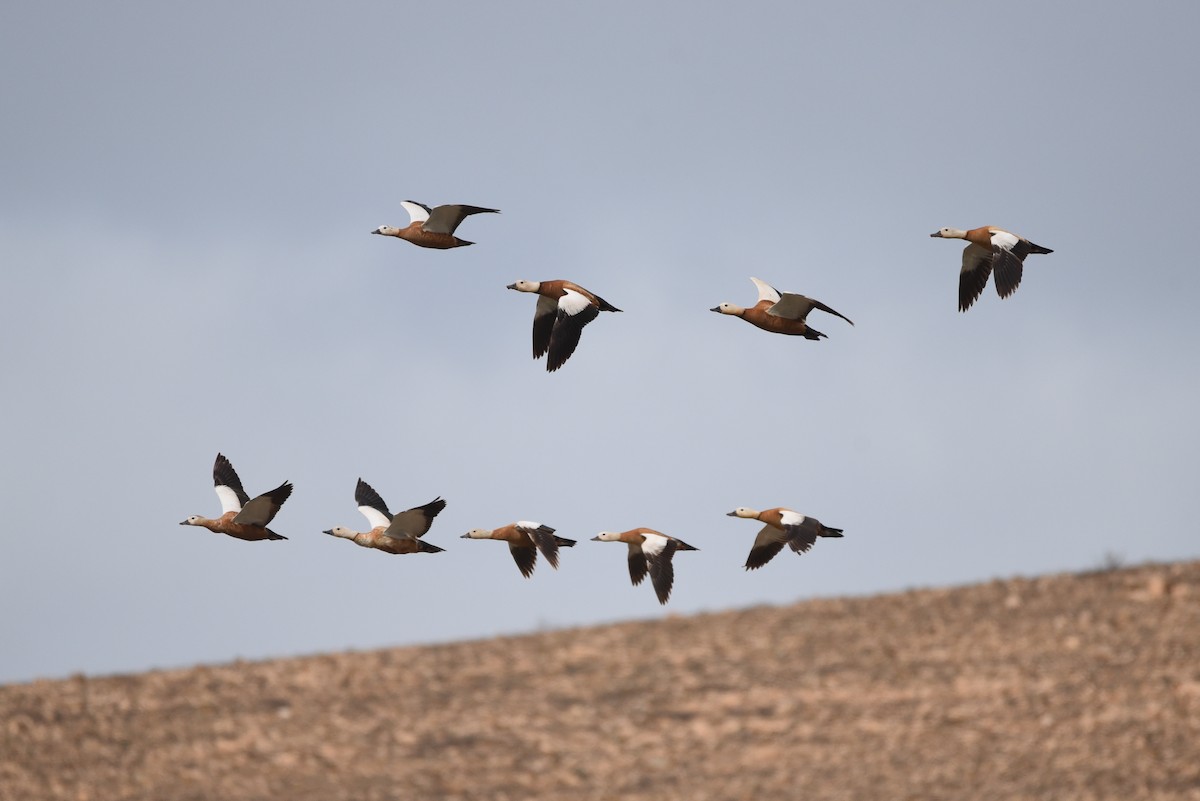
1062	687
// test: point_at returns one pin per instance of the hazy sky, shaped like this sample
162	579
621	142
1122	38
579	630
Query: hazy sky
187	192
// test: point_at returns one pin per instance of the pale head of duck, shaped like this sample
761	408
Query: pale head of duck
949	233
478	534
341	531
607	536
728	308
526	286
743	511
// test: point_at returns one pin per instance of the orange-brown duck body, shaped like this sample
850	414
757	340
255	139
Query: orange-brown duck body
433	227
989	250
396	534
241	517
525	538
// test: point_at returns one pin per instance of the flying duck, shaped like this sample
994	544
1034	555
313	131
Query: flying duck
563	309
241	517
433	228
650	552
399	533
525	538
783	527
780	312
989	248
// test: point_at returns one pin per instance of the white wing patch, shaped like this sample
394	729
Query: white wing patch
572	303
654	544
766	291
528	525
1004	240
790	518
415	211
229	499
375	517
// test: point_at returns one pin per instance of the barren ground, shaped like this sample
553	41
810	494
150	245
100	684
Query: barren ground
1061	687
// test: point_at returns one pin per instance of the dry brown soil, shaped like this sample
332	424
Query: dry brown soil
1061	687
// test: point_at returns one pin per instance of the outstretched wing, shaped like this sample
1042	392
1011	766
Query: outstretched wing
766	291
543	537
662	570
1008	256
262	509
796	307
801	530
543	324
413	523
976	267
575	310
525	557
417	212
444	219
766	545
371	505
637	564
228	486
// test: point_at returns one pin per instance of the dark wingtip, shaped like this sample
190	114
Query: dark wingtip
281	493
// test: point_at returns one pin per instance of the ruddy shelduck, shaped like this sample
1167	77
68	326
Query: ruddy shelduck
400	533
783	527
780	312
525	538
433	228
563	309
650	552
989	249
241	517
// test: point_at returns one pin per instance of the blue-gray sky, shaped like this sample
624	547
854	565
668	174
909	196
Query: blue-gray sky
187	192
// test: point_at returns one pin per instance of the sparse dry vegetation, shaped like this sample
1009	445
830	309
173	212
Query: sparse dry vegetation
1062	687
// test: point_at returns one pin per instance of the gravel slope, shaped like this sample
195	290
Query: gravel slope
1060	687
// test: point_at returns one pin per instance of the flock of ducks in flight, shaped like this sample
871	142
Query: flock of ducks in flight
562	311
